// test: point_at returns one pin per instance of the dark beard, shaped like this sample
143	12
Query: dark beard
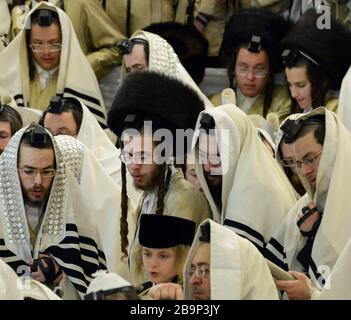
216	193
153	183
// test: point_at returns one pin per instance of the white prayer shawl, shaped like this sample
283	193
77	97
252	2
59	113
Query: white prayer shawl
256	194
237	269
333	178
95	139
75	78
338	285
163	59
8	283
80	222
344	104
101	198
5	23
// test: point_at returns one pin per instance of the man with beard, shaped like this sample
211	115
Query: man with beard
49	228
147	103
246	189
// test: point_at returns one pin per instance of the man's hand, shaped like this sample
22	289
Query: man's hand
38	274
298	289
167	291
307	225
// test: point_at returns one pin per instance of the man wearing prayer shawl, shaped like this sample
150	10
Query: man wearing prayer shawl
45	59
317	229
148	51
221	266
95	31
70	116
245	187
51	217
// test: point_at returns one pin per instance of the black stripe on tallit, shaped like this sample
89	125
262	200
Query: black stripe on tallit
82	239
317	275
246	229
270	255
18	96
82	95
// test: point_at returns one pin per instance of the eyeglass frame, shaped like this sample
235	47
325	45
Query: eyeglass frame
201	272
36	171
307	162
133	157
254	72
287	165
46	45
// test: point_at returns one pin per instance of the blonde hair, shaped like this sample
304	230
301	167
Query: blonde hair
181	252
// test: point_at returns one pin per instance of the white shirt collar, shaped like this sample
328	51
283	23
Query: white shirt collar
44	75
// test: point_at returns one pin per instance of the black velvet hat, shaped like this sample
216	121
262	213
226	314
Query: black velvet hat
162	231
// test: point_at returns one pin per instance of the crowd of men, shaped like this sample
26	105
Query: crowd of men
173	189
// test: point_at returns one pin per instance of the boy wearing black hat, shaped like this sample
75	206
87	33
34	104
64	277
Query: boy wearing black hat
164	244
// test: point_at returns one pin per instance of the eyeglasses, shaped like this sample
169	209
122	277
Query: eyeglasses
200	272
209	158
40	47
307	162
32	172
243	71
287	162
145	158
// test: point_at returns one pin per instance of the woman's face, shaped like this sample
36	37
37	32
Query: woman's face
300	86
159	264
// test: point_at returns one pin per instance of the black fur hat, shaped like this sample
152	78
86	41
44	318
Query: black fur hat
167	102
188	43
256	29
330	48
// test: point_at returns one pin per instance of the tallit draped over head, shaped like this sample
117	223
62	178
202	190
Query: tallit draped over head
332	180
256	195
79	222
237	270
163	59
75	76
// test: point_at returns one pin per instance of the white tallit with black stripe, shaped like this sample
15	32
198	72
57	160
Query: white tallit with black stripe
76	78
256	194
69	232
330	197
237	270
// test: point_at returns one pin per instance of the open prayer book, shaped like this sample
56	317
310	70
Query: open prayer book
278	273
